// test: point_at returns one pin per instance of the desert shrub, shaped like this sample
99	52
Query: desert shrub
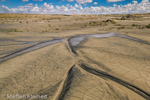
15	30
122	27
148	26
90	23
49	25
134	25
141	26
123	18
10	30
57	29
109	21
84	26
117	24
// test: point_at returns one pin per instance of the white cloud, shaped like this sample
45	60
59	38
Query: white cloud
84	1
95	3
80	1
67	5
142	7
77	6
25	0
135	2
36	5
29	6
114	0
145	0
48	7
70	0
114	5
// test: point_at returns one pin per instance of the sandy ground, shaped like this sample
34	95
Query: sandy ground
74	57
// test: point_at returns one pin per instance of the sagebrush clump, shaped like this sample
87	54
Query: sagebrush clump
148	26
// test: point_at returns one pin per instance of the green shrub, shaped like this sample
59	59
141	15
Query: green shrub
10	30
100	23
148	26
134	25
15	30
90	23
122	27
84	26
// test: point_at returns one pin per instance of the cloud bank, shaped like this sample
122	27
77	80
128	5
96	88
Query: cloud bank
134	7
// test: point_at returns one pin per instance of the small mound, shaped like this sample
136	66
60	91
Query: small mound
129	16
110	21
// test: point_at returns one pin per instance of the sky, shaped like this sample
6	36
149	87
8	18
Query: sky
75	6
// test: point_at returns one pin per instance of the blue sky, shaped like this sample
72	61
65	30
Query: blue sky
78	6
15	3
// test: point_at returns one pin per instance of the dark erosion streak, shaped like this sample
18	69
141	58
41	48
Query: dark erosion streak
132	38
67	83
105	75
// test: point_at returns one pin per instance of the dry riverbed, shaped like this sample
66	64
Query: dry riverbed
75	57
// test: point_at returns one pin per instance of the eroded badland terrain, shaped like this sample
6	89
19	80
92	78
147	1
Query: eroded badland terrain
74	57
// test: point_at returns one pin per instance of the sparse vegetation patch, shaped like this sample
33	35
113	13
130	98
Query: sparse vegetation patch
12	30
135	25
148	26
122	27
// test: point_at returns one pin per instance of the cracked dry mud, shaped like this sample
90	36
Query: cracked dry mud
85	67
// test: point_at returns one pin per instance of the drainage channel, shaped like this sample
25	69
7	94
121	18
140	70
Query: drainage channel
37	46
71	44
